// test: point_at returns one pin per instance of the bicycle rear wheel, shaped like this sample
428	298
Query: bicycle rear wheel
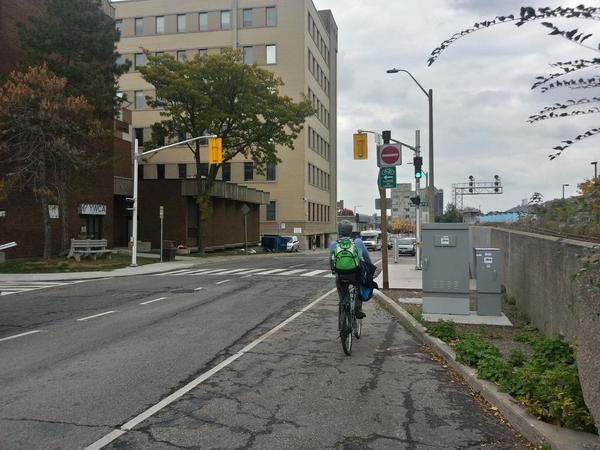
357	328
346	328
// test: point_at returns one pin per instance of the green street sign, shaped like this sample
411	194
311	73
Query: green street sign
387	178
425	204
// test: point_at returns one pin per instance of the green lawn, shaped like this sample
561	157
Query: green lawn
39	265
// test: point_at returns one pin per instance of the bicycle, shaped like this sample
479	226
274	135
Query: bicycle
348	324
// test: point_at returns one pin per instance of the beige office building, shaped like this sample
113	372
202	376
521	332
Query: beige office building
289	37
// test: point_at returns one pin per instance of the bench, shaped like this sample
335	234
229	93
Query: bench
89	248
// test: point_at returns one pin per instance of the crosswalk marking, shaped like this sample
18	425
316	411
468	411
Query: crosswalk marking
291	272
250	271
15	287
227	271
313	273
247	272
269	272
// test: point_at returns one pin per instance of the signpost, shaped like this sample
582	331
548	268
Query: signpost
245	211
162	217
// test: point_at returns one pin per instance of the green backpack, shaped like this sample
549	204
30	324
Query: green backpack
345	256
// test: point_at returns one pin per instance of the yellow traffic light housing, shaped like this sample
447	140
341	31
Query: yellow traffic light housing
215	150
361	146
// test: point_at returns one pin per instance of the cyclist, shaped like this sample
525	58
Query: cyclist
345	231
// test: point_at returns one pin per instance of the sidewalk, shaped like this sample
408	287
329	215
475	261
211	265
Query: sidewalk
402	276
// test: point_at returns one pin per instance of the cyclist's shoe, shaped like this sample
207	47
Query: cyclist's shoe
359	314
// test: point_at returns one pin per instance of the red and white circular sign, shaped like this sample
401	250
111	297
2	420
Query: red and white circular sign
390	154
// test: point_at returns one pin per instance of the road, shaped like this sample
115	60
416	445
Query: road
98	356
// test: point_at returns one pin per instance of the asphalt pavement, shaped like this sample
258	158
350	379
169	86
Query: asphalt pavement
239	354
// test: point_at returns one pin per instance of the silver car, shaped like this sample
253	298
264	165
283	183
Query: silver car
407	246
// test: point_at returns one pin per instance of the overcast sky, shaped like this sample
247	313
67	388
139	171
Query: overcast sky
482	97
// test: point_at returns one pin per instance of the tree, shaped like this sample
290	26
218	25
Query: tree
563	68
218	94
42	130
76	40
452	215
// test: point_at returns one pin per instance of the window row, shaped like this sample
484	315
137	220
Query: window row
317	38
202	21
184	171
315	69
259	54
318	144
318	213
322	112
318	177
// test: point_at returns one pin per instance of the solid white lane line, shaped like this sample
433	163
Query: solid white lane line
194	383
94	316
198	288
14	336
152	301
292	272
224	281
268	272
313	273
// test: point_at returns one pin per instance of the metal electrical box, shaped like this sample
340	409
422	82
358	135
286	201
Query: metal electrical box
487	269
445	268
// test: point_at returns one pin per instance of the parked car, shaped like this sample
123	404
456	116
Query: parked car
407	246
292	243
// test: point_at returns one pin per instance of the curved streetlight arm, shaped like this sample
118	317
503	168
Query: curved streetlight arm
160	149
391	139
394	70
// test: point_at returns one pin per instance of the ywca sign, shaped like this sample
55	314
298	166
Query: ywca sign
90	209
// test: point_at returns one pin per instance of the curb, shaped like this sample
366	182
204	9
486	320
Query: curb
534	430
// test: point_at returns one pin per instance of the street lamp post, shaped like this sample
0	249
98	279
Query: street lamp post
134	207
595	164
563	190
429	95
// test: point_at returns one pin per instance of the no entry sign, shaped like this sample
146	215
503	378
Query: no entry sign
389	155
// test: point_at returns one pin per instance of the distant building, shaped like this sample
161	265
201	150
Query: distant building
470	215
401	206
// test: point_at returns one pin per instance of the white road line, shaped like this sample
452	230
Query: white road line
251	271
329	275
292	272
313	273
297	265
224	281
228	271
198	288
21	334
268	272
174	272
152	301
247	276
202	272
95	315
194	383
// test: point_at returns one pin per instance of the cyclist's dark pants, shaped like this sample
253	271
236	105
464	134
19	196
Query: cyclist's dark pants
342	289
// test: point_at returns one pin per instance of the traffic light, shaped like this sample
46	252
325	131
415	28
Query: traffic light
361	146
496	183
471	183
418	163
387	136
215	150
415	200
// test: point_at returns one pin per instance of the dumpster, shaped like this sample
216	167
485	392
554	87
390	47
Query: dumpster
273	243
169	251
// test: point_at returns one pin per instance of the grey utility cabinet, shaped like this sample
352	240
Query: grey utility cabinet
445	268
488	262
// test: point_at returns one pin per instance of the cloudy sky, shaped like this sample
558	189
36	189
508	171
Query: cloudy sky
482	97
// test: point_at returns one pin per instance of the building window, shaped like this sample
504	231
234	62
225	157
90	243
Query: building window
271	54
119	26
160	24
225	20
272	211
204	169
139	26
248	171
271	171
247	18
139	135
138	60
248	55
181	56
140	102
160	171
203	21
202	52
271	16
181	23
182	169
226	172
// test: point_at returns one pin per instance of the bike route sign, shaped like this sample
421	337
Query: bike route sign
387	177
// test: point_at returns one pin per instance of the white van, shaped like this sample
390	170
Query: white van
371	239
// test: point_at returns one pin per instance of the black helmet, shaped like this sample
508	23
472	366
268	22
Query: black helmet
345	228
